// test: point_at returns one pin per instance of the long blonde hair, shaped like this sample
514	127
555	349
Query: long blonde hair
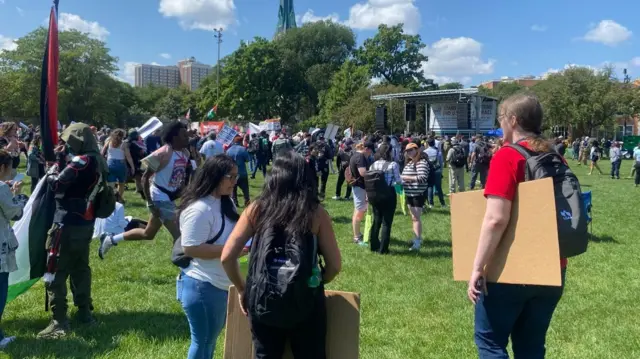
7	127
527	110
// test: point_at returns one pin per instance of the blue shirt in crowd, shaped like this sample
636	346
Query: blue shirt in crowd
152	143
241	156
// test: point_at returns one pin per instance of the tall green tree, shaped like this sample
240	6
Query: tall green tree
580	97
314	52
86	82
345	83
394	56
451	86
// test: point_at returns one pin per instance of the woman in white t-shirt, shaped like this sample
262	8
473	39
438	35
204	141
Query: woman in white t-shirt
206	213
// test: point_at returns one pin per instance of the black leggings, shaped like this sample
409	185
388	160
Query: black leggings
308	339
637	167
135	223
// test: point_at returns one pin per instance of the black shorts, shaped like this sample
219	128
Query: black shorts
416	202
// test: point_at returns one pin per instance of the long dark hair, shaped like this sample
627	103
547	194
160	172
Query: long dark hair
206	180
289	197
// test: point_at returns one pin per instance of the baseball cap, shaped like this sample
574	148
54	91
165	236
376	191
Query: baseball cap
370	145
411	146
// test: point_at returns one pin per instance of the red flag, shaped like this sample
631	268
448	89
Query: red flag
49	87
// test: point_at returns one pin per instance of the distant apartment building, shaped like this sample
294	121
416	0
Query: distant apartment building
528	81
188	72
192	72
164	76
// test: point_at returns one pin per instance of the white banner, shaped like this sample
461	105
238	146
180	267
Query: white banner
444	116
149	127
226	135
254	129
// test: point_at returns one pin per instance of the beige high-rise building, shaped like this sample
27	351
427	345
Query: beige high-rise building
193	72
165	76
188	72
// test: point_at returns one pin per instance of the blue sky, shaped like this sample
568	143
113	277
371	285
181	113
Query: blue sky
470	42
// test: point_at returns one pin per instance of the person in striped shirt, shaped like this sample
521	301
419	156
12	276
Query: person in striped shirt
415	178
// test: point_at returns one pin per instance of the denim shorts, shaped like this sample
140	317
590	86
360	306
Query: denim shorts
117	171
359	199
167	210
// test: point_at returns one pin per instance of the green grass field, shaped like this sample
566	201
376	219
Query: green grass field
411	307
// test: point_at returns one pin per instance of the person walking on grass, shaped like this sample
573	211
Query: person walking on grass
595	155
69	238
456	159
118	157
636	165
207	213
290	230
383	200
437	164
162	182
342	162
240	155
522	312
358	165
11	208
35	162
616	160
415	178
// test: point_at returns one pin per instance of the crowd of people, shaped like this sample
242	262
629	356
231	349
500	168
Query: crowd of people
190	184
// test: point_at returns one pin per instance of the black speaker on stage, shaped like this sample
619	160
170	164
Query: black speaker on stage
410	111
381	118
462	115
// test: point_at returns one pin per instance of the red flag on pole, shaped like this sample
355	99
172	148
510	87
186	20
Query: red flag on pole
49	87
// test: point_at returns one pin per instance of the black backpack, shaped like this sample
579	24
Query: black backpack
570	208
177	252
459	159
483	156
280	291
376	186
254	145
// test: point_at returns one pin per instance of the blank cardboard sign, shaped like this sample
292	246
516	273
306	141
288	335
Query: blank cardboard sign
343	328
528	252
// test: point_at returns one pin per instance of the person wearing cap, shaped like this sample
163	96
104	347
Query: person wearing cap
415	179
456	167
241	157
324	157
358	166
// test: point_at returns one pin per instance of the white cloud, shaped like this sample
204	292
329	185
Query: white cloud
156	64
200	14
635	61
164	55
608	32
129	72
1	2
539	28
20	11
71	21
309	16
455	59
368	15
7	43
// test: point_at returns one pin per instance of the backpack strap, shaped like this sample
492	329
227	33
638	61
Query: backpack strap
215	239
526	153
385	166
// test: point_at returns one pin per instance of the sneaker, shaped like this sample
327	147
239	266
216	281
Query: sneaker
6	341
55	329
84	317
359	239
416	245
336	198
347	198
106	242
430	206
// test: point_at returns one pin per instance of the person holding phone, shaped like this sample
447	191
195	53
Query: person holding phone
11	205
522	312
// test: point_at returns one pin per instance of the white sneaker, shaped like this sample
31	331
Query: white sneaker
416	245
106	242
336	198
6	341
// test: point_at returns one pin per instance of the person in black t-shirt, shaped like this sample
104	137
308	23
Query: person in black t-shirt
359	164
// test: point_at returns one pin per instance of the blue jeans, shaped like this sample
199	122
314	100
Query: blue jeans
437	185
206	309
521	311
252	162
615	168
117	171
4	287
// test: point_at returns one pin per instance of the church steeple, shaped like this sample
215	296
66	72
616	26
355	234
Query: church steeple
286	16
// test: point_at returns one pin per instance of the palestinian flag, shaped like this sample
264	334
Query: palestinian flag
49	88
31	232
212	113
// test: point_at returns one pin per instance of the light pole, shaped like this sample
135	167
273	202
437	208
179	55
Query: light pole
218	36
